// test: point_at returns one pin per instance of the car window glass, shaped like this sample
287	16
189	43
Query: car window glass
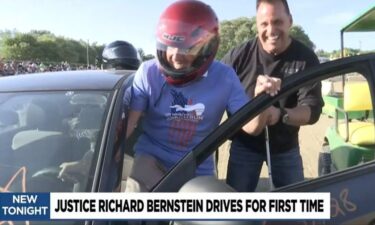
347	118
327	148
41	131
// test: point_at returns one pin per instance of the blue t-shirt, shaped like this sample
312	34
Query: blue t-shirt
177	118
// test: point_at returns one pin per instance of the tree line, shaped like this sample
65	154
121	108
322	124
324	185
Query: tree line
46	47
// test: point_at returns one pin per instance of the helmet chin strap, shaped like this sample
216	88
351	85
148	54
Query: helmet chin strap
181	81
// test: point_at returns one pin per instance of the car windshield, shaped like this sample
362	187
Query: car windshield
42	133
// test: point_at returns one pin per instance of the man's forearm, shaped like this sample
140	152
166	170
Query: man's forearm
299	115
257	124
132	122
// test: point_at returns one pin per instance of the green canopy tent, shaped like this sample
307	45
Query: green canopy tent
363	23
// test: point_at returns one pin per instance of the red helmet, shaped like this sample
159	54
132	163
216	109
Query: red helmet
192	27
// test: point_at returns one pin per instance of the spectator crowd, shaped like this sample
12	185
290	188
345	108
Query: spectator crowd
9	68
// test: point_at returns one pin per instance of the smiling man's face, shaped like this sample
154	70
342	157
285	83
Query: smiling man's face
273	24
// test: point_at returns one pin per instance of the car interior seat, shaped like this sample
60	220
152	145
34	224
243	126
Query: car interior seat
37	149
50	118
43	141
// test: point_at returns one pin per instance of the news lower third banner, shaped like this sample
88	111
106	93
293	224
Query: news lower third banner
164	206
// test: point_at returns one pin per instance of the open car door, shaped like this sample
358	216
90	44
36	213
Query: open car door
351	189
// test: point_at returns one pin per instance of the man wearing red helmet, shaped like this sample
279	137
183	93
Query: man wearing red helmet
183	94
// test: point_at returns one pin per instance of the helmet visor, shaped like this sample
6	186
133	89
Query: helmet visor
194	50
182	35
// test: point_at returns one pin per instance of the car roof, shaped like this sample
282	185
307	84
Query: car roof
64	80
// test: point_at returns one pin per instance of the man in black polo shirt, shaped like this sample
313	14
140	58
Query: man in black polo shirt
273	52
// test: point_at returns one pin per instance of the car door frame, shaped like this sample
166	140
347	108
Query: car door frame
109	165
184	170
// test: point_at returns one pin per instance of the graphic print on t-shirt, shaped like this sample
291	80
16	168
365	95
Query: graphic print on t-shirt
293	67
184	117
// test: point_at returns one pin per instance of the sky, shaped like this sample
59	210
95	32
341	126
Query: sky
104	21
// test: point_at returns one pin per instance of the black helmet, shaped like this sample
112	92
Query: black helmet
120	55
